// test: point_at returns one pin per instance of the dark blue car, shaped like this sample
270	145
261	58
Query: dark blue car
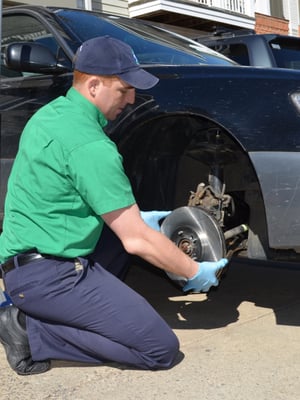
218	142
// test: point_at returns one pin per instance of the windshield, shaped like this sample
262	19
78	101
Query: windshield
152	45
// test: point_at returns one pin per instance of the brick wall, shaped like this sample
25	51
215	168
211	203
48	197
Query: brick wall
267	24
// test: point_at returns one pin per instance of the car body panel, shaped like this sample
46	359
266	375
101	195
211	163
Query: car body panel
258	126
278	173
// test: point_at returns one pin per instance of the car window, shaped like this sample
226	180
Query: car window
236	51
286	52
23	28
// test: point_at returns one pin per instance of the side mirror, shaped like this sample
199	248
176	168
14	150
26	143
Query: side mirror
33	57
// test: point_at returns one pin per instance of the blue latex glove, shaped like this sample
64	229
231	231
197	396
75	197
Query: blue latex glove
205	278
151	218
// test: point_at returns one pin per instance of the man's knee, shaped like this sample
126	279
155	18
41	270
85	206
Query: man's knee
165	356
172	352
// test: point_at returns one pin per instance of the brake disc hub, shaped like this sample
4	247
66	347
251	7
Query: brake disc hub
197	233
188	241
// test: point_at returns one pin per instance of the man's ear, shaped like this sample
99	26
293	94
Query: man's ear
93	85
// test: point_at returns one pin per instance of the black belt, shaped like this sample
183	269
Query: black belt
22	259
27	258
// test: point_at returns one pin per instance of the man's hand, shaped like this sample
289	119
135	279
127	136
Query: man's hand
152	218
205	278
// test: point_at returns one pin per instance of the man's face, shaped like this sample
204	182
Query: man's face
112	96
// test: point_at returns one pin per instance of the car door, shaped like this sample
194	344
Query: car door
22	93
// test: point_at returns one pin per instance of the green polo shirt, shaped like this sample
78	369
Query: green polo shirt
67	173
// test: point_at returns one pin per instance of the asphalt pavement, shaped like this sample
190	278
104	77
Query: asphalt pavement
239	342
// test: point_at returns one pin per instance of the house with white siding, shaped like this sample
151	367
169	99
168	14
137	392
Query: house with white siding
281	16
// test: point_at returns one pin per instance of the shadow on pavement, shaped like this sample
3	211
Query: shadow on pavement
267	287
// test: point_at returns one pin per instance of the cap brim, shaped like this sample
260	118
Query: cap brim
139	78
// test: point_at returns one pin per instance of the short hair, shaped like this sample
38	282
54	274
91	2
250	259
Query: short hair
81	77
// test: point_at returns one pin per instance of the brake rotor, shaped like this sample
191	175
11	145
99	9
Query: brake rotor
196	233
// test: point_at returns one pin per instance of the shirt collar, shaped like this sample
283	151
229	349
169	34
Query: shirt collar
89	107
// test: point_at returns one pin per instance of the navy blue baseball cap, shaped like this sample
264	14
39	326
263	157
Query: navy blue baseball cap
105	55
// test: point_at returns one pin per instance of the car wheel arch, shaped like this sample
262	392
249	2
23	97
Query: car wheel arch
167	156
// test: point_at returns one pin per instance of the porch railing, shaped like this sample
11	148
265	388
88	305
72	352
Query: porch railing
239	6
245	7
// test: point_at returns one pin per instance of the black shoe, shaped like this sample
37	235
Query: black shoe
15	341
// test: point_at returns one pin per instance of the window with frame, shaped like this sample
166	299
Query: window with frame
276	7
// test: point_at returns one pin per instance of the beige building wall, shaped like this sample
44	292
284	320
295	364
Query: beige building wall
116	7
54	3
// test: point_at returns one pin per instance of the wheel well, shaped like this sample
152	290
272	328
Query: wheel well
167	157
172	154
